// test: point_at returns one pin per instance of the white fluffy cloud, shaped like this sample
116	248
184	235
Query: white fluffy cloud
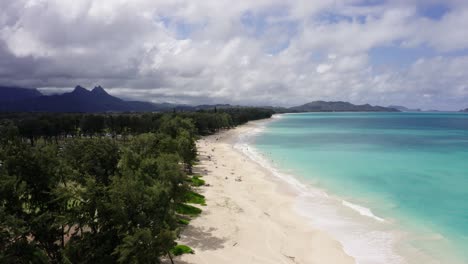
248	52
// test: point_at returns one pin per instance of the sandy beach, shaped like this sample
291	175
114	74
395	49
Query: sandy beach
249	217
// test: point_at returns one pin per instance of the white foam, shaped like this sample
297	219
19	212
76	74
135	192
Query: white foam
242	145
362	210
364	236
277	116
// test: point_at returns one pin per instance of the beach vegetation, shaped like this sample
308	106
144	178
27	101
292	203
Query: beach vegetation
196	181
100	188
183	221
195	198
185	209
181	249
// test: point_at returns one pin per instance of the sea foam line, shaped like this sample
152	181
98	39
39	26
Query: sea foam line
367	245
362	210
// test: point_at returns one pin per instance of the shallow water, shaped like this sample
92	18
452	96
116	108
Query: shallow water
404	176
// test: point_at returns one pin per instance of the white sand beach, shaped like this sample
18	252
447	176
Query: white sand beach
249	217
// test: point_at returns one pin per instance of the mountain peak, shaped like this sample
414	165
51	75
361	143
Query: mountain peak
80	89
80	100
99	90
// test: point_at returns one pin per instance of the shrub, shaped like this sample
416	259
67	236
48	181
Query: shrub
195	198
186	209
181	249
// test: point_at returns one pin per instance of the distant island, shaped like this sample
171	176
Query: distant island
464	110
82	100
404	109
322	106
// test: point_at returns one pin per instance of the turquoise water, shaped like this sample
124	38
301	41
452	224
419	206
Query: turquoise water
410	169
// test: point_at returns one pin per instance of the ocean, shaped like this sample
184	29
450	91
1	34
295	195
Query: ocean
391	187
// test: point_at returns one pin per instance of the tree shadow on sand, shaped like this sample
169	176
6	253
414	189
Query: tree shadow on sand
202	238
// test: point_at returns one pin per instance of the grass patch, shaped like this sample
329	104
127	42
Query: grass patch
183	221
181	249
195	198
186	209
196	181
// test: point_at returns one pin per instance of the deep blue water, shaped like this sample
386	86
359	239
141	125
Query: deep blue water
411	168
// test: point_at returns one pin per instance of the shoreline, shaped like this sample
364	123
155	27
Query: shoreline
250	215
362	235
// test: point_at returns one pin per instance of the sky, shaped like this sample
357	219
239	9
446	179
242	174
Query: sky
263	52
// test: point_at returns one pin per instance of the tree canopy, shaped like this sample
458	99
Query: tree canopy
101	188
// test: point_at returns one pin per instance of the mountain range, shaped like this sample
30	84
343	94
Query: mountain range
12	94
339	106
14	99
79	100
405	109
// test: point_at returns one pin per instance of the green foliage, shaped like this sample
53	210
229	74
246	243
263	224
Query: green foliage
30	206
8	131
195	198
95	158
183	221
196	181
102	188
186	209
144	246
181	249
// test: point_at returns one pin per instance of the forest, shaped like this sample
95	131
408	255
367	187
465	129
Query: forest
102	188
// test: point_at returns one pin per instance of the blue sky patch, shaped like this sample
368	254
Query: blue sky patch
435	11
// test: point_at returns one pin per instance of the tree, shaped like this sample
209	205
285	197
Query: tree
92	125
89	199
30	207
187	149
92	158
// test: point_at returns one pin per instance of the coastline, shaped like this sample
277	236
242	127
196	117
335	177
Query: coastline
250	215
365	237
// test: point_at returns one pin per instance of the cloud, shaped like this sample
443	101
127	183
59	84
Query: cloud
322	68
249	52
